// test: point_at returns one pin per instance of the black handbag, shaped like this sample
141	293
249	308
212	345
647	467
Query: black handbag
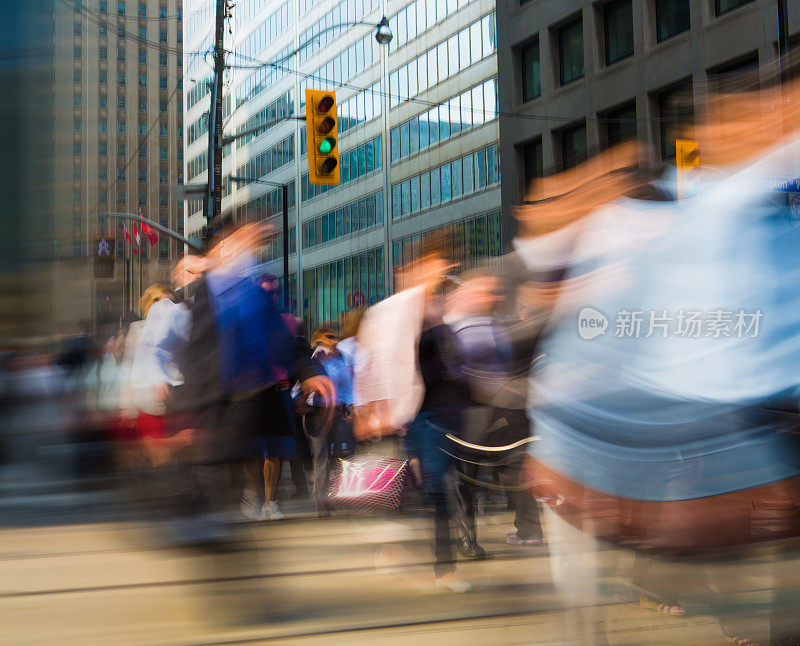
341	439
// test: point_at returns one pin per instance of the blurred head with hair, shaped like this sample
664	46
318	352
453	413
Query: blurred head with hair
431	264
479	294
325	337
350	322
153	294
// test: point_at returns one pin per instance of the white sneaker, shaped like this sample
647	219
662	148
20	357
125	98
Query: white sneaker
270	511
451	583
249	505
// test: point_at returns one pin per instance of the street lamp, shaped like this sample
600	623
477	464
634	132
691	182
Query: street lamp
383	33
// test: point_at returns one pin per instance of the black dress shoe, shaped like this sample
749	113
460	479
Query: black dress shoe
471	550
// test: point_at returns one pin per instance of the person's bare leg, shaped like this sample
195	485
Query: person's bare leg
272	473
252	471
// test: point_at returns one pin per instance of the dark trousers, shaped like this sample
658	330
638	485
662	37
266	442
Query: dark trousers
427	443
526	509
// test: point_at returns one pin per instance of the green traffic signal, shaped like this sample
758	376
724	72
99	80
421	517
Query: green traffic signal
326	145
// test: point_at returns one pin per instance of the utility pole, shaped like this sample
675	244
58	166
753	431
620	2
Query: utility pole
213	201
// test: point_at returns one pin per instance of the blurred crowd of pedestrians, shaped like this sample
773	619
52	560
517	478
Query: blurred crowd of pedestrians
679	449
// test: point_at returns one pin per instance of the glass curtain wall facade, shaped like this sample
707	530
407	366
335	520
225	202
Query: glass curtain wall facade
422	111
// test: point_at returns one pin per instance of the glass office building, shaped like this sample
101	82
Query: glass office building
418	136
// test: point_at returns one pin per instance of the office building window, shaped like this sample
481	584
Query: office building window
723	6
326	287
162	82
162	35
470	109
77	52
120	174
121	79
121	127
570	51
102	125
103	30
120	8
143	151
142	33
143	175
102	101
162	59
533	163
121	32
103	6
120	103
102	149
142	80
76	124
77	76
76	149
76	100
77	29
531	77
163	153
618	28
120	55
672	17
446	182
163	130
162	177
102	78
676	114
102	53
120	150
142	104
573	145
102	172
620	124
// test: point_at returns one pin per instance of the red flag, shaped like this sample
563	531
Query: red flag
128	237
150	234
136	235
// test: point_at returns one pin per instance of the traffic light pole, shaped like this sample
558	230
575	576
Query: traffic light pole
162	229
213	201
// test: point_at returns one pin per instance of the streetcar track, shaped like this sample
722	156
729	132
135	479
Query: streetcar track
232	579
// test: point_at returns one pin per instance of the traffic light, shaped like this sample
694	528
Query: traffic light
104	250
687	160
323	137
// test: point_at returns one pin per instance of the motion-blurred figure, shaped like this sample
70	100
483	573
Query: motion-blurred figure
495	427
415	385
667	407
329	436
155	370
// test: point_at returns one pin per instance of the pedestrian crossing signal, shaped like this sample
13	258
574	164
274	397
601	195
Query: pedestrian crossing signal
322	134
104	251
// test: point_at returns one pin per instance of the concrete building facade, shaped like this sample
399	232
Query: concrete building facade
578	76
118	147
418	136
